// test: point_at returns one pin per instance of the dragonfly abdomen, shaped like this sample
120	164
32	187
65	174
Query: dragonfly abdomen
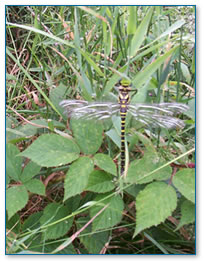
123	101
122	156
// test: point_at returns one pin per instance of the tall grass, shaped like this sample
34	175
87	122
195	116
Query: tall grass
75	52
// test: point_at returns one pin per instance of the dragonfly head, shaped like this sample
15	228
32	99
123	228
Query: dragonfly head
124	85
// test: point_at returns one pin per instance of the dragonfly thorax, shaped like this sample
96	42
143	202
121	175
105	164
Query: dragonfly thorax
124	89
124	98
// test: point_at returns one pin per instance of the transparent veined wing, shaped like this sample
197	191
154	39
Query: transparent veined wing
154	115
90	110
158	115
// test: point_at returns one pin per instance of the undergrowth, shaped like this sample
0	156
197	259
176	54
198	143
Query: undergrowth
64	193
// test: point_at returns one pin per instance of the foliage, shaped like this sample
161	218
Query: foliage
64	194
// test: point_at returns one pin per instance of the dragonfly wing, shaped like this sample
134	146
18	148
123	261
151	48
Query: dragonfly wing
90	110
158	115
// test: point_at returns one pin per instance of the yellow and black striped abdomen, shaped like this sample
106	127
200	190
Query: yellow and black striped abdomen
124	101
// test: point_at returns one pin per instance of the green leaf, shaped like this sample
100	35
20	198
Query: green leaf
35	186
14	224
114	136
111	215
140	33
57	95
184	181
138	169
187	213
92	63
106	163
100	182
153	205
185	72
132	20
27	130
191	112
169	30
16	199
13	135
88	134
93	242
32	222
146	73
73	203
42	32
52	213
48	249
13	162
52	150
134	190
29	171
77	177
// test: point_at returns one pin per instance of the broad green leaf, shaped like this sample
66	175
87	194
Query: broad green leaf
140	33
146	73
191	112
187	213
88	134
52	213
14	224
35	186
100	182
77	177
134	190
146	142
45	123
55	245
106	163
13	162
111	215
114	136
184	181
11	121
57	95
13	135
138	169
93	242
32	222
73	203
29	171
16	199
28	130
185	72
153	205
52	150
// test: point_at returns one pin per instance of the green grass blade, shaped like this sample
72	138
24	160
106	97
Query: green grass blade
32	81
144	75
140	34
131	27
35	30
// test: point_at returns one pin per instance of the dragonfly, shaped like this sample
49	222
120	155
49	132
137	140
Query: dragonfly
160	115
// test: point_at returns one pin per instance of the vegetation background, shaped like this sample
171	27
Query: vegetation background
57	52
